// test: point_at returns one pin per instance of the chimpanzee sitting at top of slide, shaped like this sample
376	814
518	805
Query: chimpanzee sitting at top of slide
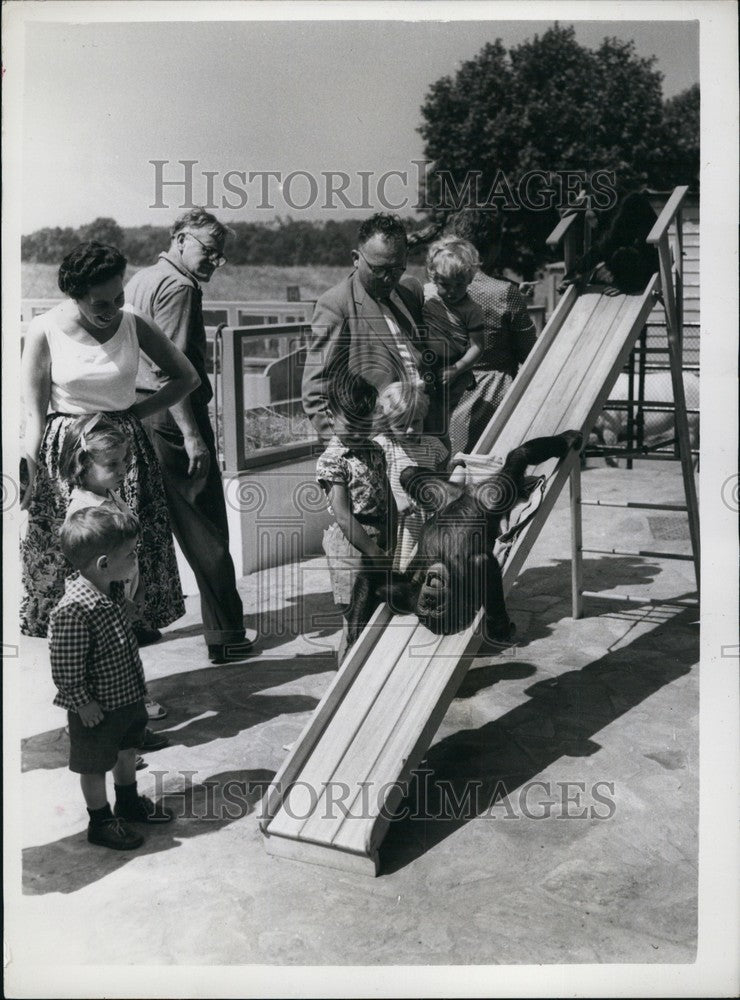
454	570
621	257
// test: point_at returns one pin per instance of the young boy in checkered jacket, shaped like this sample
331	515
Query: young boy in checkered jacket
97	670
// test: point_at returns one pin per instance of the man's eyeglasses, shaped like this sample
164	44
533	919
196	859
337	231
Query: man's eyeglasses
383	270
215	256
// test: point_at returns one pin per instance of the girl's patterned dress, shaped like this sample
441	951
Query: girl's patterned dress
363	472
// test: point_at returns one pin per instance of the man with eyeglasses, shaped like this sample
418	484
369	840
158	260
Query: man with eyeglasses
369	324
169	292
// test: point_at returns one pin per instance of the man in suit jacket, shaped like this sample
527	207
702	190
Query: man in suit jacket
370	325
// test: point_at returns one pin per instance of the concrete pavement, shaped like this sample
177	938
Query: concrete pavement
577	751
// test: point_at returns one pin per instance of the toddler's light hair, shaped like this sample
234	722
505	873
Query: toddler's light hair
399	400
452	256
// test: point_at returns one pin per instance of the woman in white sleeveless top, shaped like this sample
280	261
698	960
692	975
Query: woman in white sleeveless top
82	357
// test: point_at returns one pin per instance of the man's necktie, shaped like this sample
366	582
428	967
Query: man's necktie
401	319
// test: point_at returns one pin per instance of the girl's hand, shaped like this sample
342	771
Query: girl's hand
448	374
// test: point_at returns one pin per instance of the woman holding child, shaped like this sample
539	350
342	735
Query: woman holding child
508	333
80	360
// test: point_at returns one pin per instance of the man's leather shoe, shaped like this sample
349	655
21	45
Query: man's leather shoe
152	741
230	652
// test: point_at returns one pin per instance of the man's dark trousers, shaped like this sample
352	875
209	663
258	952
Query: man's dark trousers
198	516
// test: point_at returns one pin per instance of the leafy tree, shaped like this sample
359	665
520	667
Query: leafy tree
548	105
103	230
49	245
143	244
679	161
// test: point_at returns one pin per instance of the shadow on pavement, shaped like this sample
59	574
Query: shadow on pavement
295	617
559	720
71	863
228	693
546	590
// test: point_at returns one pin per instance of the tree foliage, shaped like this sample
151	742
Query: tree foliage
48	245
679	162
104	230
284	242
550	105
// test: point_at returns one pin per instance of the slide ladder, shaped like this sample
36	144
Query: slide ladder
332	800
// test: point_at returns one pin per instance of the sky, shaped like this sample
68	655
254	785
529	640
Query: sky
103	100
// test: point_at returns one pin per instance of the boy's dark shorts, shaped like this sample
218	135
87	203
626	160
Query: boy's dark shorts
94	749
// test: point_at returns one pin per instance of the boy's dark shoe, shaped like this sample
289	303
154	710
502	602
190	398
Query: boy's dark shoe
152	741
114	833
146	636
143	810
230	652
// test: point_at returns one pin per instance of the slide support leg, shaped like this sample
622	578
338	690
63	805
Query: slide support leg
576	540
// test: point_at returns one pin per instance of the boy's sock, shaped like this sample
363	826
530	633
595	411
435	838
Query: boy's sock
127	796
138	808
98	816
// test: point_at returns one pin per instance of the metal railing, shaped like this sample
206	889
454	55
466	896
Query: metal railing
225	312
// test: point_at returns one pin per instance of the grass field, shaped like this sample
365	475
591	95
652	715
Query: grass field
244	283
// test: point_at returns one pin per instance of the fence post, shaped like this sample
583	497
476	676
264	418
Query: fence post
232	386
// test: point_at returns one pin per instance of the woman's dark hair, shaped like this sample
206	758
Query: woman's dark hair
89	264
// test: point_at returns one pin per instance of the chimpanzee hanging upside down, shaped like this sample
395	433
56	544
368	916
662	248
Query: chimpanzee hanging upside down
454	571
621	256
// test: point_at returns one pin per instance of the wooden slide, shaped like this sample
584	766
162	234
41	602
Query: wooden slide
333	799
